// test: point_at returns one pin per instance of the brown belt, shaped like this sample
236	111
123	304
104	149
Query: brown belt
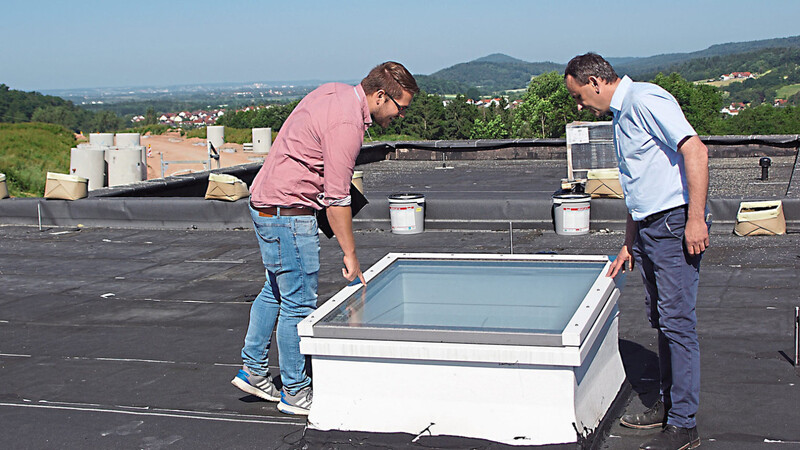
269	211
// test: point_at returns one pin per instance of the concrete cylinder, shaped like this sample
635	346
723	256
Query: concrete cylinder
124	165
101	139
262	140
89	162
3	187
143	151
216	135
128	139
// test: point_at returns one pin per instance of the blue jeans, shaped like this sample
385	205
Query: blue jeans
290	252
671	277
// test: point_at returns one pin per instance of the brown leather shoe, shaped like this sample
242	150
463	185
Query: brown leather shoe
655	417
673	438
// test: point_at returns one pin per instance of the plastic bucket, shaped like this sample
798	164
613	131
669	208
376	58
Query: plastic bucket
571	213
407	212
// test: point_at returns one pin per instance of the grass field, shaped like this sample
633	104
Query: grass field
788	91
723	83
28	151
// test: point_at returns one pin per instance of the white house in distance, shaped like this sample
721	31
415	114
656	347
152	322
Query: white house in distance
737	76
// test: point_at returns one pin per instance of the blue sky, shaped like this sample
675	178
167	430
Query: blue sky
49	44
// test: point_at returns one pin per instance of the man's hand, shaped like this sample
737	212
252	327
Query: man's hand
695	158
696	236
352	269
623	256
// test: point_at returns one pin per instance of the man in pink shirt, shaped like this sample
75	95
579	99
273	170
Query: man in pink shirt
310	166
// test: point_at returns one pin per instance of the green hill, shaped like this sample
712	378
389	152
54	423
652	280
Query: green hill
777	69
710	68
440	86
499	72
641	68
496	72
499	58
28	151
19	106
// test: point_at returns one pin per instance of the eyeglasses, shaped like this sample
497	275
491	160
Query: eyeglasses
400	109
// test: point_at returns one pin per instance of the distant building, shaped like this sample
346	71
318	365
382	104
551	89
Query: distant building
736	76
733	109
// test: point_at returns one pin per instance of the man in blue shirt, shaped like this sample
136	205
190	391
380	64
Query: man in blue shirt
663	169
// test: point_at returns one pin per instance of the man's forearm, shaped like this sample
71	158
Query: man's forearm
695	160
630	232
341	221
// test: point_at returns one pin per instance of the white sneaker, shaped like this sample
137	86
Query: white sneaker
299	403
257	385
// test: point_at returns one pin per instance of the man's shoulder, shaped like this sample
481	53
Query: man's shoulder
333	88
642	91
650	96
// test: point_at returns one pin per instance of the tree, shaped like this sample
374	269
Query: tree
700	103
271	116
546	109
106	122
458	119
493	128
59	115
424	118
150	117
763	119
473	93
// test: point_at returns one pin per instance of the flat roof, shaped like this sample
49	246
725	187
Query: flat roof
129	338
114	336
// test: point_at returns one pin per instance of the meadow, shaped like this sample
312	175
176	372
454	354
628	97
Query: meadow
28	151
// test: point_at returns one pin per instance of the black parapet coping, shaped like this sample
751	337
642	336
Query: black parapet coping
443	210
781	141
128	212
188	185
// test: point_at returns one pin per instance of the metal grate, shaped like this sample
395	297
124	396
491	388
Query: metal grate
590	145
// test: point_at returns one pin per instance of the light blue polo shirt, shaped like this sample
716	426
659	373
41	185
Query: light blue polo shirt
648	126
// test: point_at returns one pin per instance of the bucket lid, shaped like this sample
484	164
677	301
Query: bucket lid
406	198
573	197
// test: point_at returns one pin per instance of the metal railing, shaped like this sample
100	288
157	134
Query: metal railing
213	155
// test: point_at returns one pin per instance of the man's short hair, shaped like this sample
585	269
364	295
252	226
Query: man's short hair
590	65
390	77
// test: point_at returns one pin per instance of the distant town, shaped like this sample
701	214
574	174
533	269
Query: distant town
201	118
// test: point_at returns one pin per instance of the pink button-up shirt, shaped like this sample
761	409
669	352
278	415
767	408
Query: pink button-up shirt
312	160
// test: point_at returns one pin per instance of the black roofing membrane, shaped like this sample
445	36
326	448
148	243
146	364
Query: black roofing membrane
127	335
150	366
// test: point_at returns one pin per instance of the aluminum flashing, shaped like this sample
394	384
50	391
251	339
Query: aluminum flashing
458	298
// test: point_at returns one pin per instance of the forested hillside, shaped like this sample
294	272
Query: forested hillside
643	67
442	87
758	61
18	106
499	72
776	70
495	73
